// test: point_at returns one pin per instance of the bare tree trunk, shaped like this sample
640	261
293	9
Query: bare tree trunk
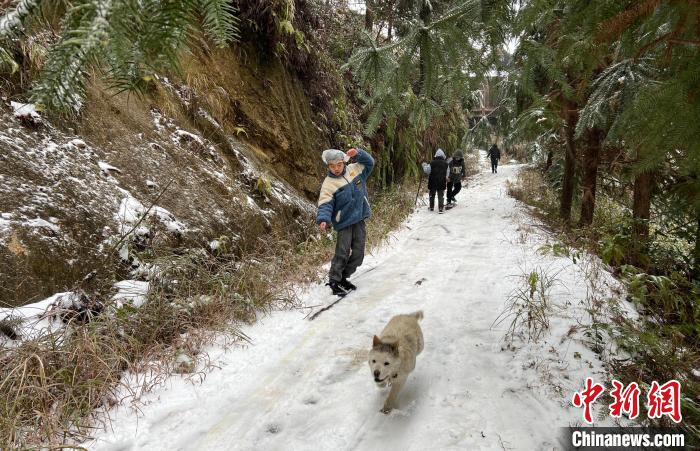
369	16
550	159
569	178
425	15
696	252
591	160
641	209
426	11
389	34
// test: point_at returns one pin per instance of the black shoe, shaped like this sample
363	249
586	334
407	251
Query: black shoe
431	208
346	285
337	288
441	211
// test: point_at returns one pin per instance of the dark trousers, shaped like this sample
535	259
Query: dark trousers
494	165
349	251
441	198
452	189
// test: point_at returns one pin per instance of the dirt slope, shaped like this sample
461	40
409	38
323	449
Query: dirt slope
229	148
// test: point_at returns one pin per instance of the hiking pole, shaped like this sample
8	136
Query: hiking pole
313	315
418	191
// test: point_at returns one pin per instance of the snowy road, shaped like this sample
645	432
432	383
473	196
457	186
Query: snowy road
305	384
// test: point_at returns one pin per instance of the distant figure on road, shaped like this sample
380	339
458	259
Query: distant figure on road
495	154
343	203
437	179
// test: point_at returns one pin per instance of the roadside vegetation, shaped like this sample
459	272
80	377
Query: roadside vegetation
600	95
57	387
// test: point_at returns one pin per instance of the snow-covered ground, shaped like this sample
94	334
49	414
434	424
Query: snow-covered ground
304	384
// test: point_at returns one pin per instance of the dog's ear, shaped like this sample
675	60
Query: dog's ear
376	341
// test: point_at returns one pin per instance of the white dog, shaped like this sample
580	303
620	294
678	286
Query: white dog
393	356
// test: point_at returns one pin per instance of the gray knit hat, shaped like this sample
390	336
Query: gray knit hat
332	155
458	154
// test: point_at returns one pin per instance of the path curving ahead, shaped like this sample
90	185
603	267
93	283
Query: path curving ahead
305	384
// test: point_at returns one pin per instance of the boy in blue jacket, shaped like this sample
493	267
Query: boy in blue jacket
343	203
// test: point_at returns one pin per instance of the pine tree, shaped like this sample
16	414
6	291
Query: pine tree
429	73
646	97
551	67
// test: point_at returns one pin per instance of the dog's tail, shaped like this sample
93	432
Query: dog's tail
417	315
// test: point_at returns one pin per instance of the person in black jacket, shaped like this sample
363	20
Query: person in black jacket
437	179
457	172
495	154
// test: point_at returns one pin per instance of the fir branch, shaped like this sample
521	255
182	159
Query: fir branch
126	40
613	91
613	28
13	19
62	85
684	42
220	22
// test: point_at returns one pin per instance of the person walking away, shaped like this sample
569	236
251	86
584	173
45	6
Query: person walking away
437	180
344	204
457	173
495	154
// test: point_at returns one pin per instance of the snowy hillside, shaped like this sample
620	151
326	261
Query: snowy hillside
304	384
70	206
71	188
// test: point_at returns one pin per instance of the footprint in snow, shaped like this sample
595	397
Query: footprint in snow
311	401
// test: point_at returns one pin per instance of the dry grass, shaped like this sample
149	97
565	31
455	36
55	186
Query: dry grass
56	388
53	386
389	210
530	187
662	344
528	306
471	161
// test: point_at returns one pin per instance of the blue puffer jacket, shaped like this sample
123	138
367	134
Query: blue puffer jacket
343	200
